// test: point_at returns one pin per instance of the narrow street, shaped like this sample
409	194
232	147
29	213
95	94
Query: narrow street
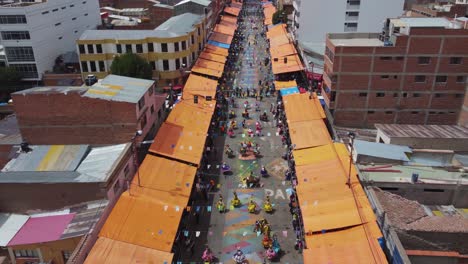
233	229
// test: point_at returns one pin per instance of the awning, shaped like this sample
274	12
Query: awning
287	64
308	134
289	91
300	107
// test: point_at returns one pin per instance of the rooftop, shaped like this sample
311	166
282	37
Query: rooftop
419	22
423	131
19	3
63	164
200	2
387	151
356	39
173	27
9	131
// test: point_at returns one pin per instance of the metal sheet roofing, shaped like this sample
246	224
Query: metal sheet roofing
423	131
99	162
10	224
200	2
119	88
387	151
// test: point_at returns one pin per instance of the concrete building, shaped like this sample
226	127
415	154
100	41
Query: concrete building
108	112
439	10
424	137
413	73
313	19
168	47
199	7
35	33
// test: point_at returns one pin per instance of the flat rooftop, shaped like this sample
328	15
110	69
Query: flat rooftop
421	22
19	3
356	39
423	131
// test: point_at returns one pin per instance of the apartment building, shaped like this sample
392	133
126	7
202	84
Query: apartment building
35	33
313	19
439	10
413	73
173	44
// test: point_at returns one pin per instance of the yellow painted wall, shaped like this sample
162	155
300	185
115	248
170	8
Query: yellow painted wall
52	251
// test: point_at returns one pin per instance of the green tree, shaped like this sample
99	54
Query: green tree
279	17
9	76
132	65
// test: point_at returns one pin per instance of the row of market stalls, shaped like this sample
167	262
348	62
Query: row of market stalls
144	223
339	224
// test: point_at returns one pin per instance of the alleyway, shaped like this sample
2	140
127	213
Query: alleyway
234	229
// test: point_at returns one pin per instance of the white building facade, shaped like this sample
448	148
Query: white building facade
313	19
34	33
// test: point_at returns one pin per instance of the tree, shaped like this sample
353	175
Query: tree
279	17
9	76
132	65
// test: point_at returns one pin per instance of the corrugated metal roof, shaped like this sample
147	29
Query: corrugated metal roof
85	217
200	2
423	131
48	158
119	88
10	224
99	162
387	151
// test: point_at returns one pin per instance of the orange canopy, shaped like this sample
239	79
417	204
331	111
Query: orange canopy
228	30
178	142
283	50
109	251
200	85
307	134
279	40
288	84
186	115
206	71
299	107
210	64
227	24
232	11
216	50
207	55
222	38
229	19
291	63
277	30
351	245
141	220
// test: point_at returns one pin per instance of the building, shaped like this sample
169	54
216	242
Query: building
35	33
439	10
10	139
108	112
168	47
312	18
48	236
160	13
199	7
413	73
424	137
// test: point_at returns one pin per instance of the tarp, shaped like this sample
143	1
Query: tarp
287	84
221	38
232	11
299	107
141	220
219	44
291	63
109	251
190	117
179	142
207	55
289	91
217	50
342	247
228	30
308	134
282	50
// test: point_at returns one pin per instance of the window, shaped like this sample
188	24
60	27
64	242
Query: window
329	53
362	94
126	171
76	31
128	48
86	14
441	79
395	94
176	46
74	18
159	113
460	79
150	47
405	95
19	54
184	45
193	56
424	60
384	77
352	14
386	58
153	65
45	12
432	112
199	46
459	95
143	121
84	66
82	49
116	187
370	112
414	112
380	95
15	35
388	112
354	2
63	7
92	64
141	103
192	39
164	47
152	107
26	253
102	67
60	38
84	2
58	24
12	19
399	58
416	95
26	70
72	5
165	65
90	48
98	48
55	10
433	190
177	64
438	95
66	255
419	78
184	61
199	31
150	92
455	60
139	48
119	48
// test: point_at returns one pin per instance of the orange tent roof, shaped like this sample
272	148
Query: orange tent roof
232	11
307	134
236	4
293	64
229	19
202	104
141	220
351	245
207	55
109	251
276	30
227	24
222	38
299	107
283	50
279	40
206	71
216	50
288	84
186	115
228	30
178	142
200	85
210	64
314	155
